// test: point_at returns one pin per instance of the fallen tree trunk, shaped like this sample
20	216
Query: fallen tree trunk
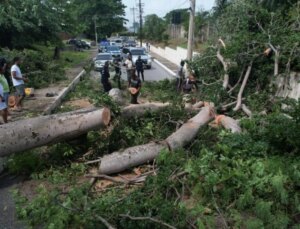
137	155
138	110
31	133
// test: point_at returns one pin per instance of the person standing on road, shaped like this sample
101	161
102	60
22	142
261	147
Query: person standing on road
129	66
135	85
19	82
105	77
180	76
118	71
140	67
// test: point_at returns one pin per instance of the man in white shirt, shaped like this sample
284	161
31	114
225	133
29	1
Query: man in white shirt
18	82
129	68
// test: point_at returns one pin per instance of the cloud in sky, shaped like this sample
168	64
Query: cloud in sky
161	7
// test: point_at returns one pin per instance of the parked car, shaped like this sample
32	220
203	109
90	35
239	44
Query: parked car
100	60
72	41
114	51
136	52
80	44
84	44
130	43
102	46
119	42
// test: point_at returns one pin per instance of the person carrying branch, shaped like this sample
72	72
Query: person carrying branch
134	88
19	80
105	77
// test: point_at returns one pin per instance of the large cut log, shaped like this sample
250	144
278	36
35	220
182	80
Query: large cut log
31	133
137	155
189	130
138	110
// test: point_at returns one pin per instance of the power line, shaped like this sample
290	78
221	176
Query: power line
133	9
141	11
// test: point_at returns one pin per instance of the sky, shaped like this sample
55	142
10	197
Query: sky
161	7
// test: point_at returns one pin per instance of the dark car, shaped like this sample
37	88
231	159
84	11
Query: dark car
72	41
85	45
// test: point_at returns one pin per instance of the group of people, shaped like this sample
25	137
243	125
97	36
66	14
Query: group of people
135	75
18	80
135	71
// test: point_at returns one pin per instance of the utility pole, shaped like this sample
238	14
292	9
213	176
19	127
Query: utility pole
140	5
96	34
133	12
191	30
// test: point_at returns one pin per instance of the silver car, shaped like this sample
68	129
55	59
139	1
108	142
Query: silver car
146	58
100	60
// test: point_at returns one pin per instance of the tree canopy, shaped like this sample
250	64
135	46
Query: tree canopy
25	22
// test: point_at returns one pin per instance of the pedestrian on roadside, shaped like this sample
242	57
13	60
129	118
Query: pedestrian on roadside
140	67
105	77
3	80
4	91
19	80
134	88
148	47
129	66
180	76
118	72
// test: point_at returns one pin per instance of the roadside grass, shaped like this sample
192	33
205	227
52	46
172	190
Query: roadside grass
68	59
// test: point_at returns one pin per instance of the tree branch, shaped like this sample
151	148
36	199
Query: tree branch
239	99
149	219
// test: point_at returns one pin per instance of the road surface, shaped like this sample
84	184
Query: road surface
156	73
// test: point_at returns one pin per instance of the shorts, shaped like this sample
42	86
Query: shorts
6	96
2	106
20	90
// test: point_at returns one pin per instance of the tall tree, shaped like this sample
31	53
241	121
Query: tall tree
154	27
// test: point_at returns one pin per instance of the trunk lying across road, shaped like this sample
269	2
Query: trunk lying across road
138	110
44	130
137	155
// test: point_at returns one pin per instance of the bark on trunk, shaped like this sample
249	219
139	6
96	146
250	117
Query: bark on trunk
137	155
31	133
139	110
240	95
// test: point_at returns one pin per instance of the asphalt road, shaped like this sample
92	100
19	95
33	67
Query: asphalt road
156	73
